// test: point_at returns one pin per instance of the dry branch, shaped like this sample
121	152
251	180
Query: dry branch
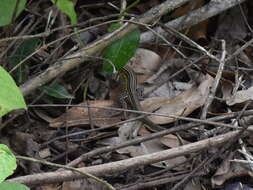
118	166
213	8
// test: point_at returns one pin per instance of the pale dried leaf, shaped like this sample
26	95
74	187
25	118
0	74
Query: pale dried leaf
240	97
144	63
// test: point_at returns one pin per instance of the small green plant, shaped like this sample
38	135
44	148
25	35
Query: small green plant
122	50
10	98
8	165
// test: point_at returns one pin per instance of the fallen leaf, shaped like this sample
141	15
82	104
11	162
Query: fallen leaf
80	115
181	105
240	97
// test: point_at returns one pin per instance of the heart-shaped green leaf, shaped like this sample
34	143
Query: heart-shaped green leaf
58	91
11	97
121	51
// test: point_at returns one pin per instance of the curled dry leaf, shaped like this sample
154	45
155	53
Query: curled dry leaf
240	97
230	170
80	115
181	105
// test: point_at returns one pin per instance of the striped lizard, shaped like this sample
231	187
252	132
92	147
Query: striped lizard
129	81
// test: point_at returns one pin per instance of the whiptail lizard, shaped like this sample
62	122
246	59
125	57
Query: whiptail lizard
129	81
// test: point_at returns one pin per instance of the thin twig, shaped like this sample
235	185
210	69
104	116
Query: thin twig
140	112
85	174
216	81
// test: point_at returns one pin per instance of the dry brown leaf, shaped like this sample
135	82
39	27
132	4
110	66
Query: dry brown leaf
80	115
181	105
172	141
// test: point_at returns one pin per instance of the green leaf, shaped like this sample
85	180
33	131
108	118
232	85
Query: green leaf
11	97
7	9
67	7
24	50
7	162
57	91
121	51
12	186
